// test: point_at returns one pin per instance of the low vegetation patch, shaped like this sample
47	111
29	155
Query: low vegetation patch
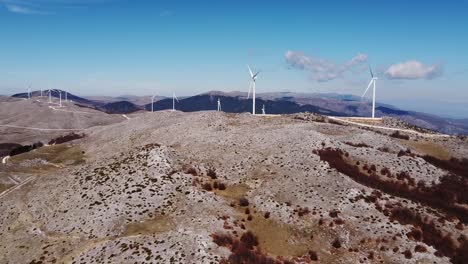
397	134
24	149
66	138
454	165
449	195
357	145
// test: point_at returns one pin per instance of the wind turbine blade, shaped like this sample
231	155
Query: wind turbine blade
251	73
255	75
370	83
371	73
250	88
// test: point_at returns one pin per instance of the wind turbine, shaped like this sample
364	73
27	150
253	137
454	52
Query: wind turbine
219	104
253	78
29	92
174	97
372	82
41	91
152	103
263	109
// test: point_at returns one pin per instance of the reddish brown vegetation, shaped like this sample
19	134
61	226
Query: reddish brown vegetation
245	250
221	186
336	243
334	213
207	186
302	211
454	165
408	254
211	173
243	202
357	145
66	138
313	255
397	134
431	235
192	171
447	195
420	249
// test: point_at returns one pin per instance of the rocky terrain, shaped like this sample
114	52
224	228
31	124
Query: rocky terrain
211	187
45	121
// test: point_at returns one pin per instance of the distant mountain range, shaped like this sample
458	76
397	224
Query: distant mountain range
275	103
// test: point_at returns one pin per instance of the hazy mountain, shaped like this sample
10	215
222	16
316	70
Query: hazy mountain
122	107
275	103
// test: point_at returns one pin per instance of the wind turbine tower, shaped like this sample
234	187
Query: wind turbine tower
371	83
29	92
219	104
263	109
174	98
152	103
253	78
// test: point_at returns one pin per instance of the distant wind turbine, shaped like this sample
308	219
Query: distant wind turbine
219	104
253	78
372	82
41	91
29	92
174	98
263	109
152	103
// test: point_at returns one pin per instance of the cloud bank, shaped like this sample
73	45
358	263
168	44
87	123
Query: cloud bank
319	69
412	70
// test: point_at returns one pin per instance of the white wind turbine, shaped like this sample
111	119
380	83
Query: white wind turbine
253	78
372	82
152	103
41	91
174	98
219	104
263	109
29	92
60	97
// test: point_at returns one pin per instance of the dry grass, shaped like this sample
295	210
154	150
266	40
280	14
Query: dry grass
4	187
429	148
155	225
279	239
234	192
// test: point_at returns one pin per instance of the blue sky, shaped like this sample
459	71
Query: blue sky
114	47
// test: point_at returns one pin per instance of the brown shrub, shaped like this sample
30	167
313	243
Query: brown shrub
397	134
221	186
211	173
66	138
313	255
408	254
243	202
336	243
454	165
357	145
207	186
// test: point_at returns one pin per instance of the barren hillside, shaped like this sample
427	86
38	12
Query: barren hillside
210	187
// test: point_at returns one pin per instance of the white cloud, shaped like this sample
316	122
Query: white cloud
319	69
412	70
28	7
